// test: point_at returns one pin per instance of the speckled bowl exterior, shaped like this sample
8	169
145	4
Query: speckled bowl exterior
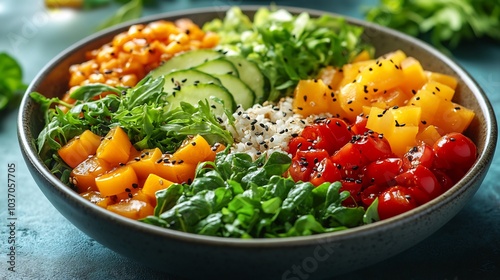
312	257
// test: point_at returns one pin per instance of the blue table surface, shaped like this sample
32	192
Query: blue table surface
50	247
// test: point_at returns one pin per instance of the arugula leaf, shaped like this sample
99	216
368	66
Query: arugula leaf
446	22
11	80
88	92
287	47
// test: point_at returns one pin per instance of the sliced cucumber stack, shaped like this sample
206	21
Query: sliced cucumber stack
211	92
204	74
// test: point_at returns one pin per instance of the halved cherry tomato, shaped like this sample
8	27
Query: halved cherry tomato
298	143
422	182
359	127
372	146
341	133
422	154
325	171
304	162
369	194
394	201
321	137
350	161
383	172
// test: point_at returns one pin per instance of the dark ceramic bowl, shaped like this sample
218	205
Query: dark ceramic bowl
319	256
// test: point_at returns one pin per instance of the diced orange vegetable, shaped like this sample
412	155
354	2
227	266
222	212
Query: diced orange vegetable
117	181
314	97
390	98
128	193
79	148
134	209
429	135
96	198
428	102
413	75
193	150
399	125
362	56
84	174
382	75
443	91
144	163
402	139
331	76
351	71
115	147
352	98
217	147
175	171
153	184
452	117
442	78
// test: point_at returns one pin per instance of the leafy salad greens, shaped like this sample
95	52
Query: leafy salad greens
288	48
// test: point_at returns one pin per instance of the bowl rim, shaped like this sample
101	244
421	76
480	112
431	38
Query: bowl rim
483	161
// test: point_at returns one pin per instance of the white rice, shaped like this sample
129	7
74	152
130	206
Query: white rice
266	128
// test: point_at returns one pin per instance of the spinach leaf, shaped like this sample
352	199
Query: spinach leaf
236	196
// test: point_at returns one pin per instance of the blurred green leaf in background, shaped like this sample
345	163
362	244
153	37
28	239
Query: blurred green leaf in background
447	23
11	81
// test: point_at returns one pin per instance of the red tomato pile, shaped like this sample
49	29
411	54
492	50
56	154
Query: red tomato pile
330	150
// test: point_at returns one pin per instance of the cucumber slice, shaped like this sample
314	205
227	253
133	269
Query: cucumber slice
176	80
194	93
242	94
186	60
251	75
219	66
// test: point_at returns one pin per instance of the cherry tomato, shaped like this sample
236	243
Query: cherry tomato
304	162
419	155
372	146
321	136
383	172
354	188
298	143
359	126
455	153
444	180
325	171
394	201
341	133
422	182
369	194
350	161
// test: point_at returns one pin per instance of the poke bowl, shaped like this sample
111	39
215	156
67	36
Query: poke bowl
166	240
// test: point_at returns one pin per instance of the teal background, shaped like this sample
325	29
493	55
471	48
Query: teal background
50	247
